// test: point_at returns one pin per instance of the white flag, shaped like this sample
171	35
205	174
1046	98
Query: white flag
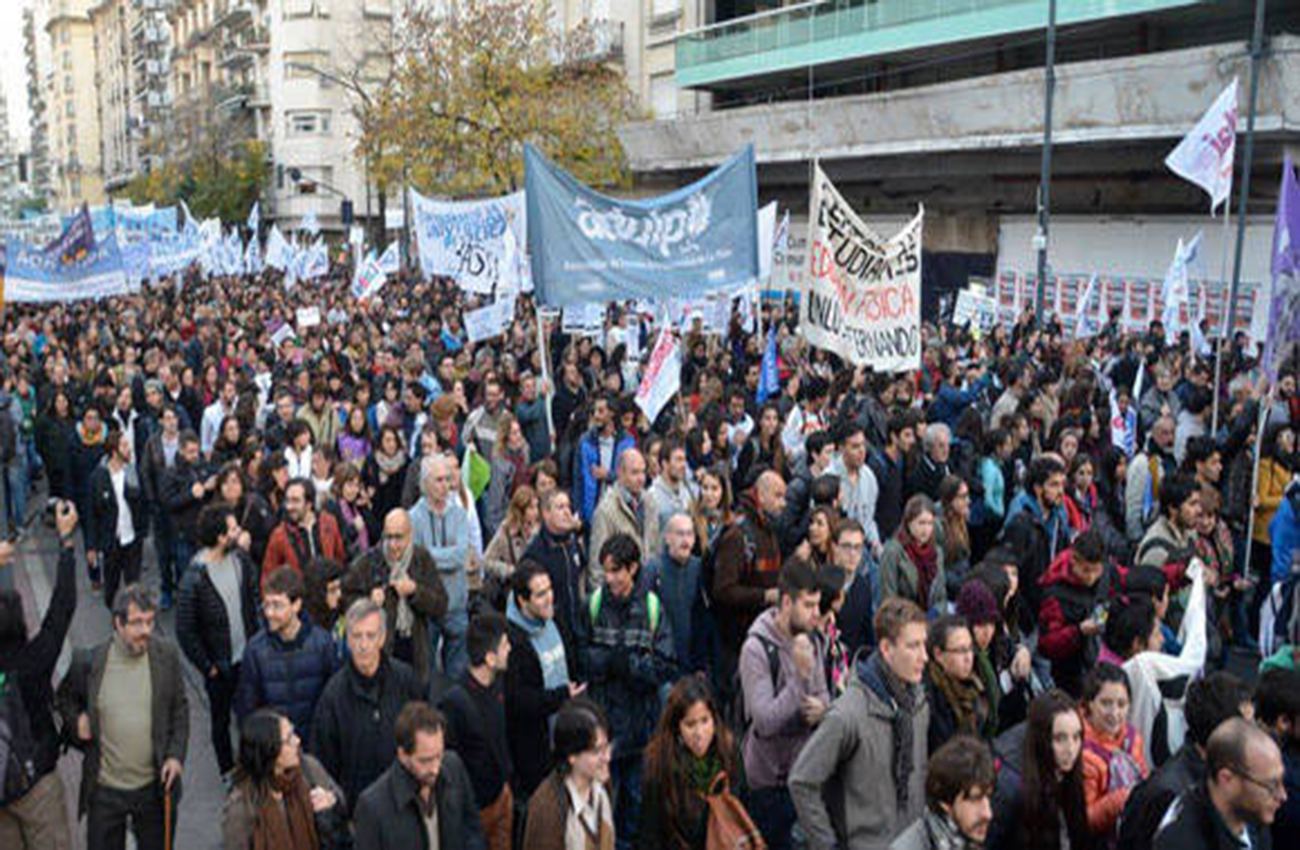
663	375
279	254
254	217
391	260
310	223
1175	292
1082	327
1204	156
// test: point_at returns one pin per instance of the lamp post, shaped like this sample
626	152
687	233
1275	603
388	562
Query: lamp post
1045	177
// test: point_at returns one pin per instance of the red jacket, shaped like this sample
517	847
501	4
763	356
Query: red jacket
282	550
1066	603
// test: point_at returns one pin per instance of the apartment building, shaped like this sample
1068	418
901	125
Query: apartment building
73	106
940	102
36	55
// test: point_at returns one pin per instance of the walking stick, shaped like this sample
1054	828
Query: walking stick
167	819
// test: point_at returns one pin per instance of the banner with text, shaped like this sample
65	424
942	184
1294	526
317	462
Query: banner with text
476	243
33	276
698	239
862	297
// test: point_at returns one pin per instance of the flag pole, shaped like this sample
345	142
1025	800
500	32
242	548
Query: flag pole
1243	200
1254	478
1225	330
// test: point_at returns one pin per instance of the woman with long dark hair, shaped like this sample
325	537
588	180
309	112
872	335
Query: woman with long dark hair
690	752
1039	801
282	798
911	566
385	472
955	504
251	510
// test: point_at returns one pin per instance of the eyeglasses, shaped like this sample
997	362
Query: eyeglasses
1275	788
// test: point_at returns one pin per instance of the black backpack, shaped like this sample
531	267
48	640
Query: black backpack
17	746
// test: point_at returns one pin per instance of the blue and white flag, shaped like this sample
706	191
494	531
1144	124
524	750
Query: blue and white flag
1084	325
316	262
1176	287
255	217
279	253
253	264
33	276
769	378
310	223
391	260
475	243
591	247
369	279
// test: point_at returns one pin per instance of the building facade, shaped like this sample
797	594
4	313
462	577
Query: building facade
907	102
110	22
36	55
73	107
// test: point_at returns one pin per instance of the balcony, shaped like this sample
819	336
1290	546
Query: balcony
603	41
835	31
237	12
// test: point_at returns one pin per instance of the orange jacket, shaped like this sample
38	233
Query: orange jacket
1104	804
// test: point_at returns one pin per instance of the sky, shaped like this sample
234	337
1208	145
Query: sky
13	72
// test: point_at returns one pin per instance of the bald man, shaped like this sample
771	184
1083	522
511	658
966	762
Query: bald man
620	511
1235	805
674	574
748	562
401	577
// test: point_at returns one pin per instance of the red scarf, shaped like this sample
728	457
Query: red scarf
926	559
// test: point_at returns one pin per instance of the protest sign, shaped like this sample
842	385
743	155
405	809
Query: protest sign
476	243
370	278
281	334
490	321
862	298
307	317
698	239
584	319
975	310
663	376
32	275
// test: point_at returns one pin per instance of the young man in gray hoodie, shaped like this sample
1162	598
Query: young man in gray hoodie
860	779
784	684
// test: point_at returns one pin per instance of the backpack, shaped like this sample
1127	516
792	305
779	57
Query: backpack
17	746
708	564
739	718
1279	616
729	826
653	608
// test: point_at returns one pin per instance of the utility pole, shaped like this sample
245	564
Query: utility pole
1256	58
1045	178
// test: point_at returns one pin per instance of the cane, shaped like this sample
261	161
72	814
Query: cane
167	819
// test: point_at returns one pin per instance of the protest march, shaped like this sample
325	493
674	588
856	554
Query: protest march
562	529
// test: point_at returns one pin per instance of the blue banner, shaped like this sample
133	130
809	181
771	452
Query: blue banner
76	241
34	276
589	247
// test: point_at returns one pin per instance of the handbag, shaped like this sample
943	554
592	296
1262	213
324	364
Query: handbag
729	826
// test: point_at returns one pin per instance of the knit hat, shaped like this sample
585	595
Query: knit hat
977	603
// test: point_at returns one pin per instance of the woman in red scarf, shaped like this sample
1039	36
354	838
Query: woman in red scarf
911	566
1080	496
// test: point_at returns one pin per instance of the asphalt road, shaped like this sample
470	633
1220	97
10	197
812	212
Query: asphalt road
198	824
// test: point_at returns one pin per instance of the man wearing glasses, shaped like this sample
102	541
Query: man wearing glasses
1236	804
855	617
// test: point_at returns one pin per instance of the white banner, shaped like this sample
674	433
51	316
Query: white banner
976	310
307	317
490	321
862	298
586	320
476	243
663	376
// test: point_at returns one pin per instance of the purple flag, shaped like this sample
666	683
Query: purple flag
76	241
1284	303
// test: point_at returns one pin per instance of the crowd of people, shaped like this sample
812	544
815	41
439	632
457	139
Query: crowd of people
452	595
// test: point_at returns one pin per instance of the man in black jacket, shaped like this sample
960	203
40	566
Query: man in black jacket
476	726
426	789
1233	807
186	486
160	453
116	526
557	547
352	730
216	615
125	775
1210	701
38	819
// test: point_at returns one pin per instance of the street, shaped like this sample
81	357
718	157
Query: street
198	825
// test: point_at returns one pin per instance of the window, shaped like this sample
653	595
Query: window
69	110
67	60
67	84
308	123
305	64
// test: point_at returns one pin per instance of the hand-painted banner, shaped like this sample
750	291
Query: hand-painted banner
975	309
477	243
663	376
862	299
33	277
589	247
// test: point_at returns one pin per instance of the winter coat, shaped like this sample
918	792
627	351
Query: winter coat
1195	824
842	784
777	731
564	559
587	490
288	676
532	419
661	502
1104	799
1065	604
678	588
178	498
476	731
281	550
1269	490
54	440
529	706
239	815
153	465
169	709
1151	798
388	813
353	727
202	625
614	515
899	576
627	656
101	521
428	602
747	562
1037	538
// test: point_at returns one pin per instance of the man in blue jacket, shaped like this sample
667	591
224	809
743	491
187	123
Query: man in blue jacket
287	664
598	455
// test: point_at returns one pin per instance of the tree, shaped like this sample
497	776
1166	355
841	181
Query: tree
224	186
472	83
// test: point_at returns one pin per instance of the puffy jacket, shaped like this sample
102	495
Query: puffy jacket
1105	801
283	547
627	656
1065	604
202	627
352	731
288	676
